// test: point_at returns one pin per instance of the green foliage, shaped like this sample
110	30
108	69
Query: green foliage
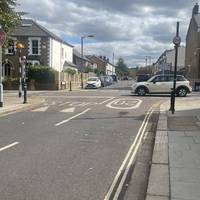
88	69
9	18
121	68
99	72
70	71
41	74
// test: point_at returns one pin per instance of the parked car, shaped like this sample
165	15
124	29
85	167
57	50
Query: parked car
125	78
162	84
93	82
114	77
142	77
106	80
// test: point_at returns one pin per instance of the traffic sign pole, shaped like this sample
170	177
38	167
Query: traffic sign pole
1	85
2	40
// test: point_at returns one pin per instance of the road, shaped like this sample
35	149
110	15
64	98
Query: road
71	146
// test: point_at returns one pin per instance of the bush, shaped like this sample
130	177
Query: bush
41	74
88	69
70	71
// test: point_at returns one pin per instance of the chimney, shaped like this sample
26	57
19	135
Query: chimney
100	57
195	9
107	60
104	57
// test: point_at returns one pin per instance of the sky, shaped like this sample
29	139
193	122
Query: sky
130	29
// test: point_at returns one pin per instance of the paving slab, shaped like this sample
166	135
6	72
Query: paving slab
159	180
156	198
160	154
185	190
180	174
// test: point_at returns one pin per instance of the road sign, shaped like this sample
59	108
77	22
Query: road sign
177	40
2	37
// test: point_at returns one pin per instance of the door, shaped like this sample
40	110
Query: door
157	85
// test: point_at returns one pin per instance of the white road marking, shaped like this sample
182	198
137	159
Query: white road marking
129	154
106	100
128	104
62	104
9	146
68	110
53	103
41	109
67	120
79	97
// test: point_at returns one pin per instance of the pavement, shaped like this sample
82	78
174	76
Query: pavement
12	103
175	168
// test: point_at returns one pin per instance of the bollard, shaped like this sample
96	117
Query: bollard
70	86
25	93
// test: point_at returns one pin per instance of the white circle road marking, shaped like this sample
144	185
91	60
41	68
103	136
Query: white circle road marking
124	104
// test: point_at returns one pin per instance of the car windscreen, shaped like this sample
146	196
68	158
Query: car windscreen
92	79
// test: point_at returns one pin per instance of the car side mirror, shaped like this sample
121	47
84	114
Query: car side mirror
154	82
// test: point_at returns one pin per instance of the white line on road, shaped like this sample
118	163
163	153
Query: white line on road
67	120
124	104
106	100
9	146
41	109
78	97
68	110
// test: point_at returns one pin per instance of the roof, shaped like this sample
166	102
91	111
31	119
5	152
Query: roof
69	64
197	19
29	27
76	53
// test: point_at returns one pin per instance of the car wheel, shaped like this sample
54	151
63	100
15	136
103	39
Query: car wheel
141	91
182	92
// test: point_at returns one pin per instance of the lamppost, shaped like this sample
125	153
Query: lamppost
20	46
82	37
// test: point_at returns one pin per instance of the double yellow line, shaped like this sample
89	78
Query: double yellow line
120	178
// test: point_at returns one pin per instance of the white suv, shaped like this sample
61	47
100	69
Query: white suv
162	84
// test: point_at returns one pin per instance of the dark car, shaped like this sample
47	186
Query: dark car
106	80
142	77
114	77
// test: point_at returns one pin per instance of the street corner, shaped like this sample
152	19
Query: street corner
124	104
13	105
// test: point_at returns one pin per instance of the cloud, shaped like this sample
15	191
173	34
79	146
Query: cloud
131	28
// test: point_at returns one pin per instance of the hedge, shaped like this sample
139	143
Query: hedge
41	74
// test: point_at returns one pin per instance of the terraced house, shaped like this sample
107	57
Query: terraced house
192	59
41	47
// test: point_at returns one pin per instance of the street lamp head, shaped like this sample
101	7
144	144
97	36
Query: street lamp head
90	36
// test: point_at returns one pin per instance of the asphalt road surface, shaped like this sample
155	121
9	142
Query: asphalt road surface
71	146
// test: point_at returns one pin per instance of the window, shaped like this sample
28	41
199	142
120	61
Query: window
11	48
181	78
62	52
158	79
35	47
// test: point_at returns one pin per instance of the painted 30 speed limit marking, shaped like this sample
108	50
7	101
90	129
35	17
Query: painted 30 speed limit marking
124	104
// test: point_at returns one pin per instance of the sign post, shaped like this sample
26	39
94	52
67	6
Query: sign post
2	40
176	41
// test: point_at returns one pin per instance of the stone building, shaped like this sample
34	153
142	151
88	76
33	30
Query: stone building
41	47
192	59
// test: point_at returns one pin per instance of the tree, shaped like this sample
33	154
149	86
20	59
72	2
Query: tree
121	68
88	69
9	18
